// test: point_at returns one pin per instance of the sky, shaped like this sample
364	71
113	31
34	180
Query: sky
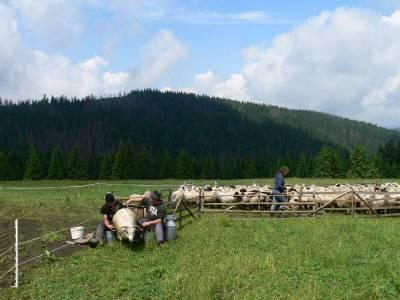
339	57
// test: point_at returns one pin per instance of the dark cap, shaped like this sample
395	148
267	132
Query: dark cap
155	196
109	198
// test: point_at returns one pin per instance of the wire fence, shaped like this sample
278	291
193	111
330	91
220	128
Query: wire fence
46	214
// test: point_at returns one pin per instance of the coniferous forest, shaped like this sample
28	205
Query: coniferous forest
151	134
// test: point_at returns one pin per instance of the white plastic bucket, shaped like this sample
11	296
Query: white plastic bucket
77	232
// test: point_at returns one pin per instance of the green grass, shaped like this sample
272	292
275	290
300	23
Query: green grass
217	257
223	258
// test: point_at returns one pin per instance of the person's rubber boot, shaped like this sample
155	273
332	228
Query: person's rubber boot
93	243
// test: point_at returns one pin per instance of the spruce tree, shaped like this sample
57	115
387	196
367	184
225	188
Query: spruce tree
184	166
373	169
33	166
16	172
77	167
144	165
358	163
130	169
56	167
249	169
166	166
208	168
4	167
106	165
302	166
120	162
324	166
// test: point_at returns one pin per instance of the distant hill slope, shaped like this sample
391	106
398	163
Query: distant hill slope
173	121
325	127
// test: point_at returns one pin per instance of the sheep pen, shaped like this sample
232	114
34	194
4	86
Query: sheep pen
301	199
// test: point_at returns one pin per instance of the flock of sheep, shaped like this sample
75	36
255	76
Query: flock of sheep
298	196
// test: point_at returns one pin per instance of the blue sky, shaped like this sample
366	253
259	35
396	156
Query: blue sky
338	57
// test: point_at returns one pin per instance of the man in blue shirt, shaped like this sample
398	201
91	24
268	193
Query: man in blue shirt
279	188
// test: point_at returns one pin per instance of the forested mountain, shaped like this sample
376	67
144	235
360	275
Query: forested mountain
152	134
325	127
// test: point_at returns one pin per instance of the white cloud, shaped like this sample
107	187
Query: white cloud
215	18
209	83
30	73
344	62
116	80
393	20
158	56
57	21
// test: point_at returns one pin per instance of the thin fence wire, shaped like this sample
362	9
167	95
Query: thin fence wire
4	188
7	272
48	187
41	255
54	232
8	250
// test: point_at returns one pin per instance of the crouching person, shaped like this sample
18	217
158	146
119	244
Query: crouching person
108	210
155	215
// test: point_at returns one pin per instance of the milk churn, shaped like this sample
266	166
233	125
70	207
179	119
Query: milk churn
170	227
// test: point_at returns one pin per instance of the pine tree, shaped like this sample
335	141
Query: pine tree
302	166
33	166
56	167
208	168
4	167
16	172
358	163
120	161
324	166
130	169
144	165
166	165
106	165
249	169
184	166
227	169
77	168
373	169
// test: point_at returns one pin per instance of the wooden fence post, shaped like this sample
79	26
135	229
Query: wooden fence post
199	204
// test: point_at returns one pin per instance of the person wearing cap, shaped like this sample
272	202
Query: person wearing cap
279	188
108	210
156	213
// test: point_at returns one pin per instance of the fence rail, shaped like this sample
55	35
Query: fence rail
355	202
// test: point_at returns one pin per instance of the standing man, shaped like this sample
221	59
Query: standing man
279	188
108	210
156	213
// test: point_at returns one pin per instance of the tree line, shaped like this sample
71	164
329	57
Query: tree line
151	134
130	162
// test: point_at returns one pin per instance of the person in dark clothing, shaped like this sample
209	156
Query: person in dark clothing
108	210
156	213
279	188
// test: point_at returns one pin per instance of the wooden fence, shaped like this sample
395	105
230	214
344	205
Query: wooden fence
356	205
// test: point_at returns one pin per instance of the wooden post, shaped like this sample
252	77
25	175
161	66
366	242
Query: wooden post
367	204
300	196
315	206
328	203
199	204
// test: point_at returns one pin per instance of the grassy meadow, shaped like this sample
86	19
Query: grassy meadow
217	257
